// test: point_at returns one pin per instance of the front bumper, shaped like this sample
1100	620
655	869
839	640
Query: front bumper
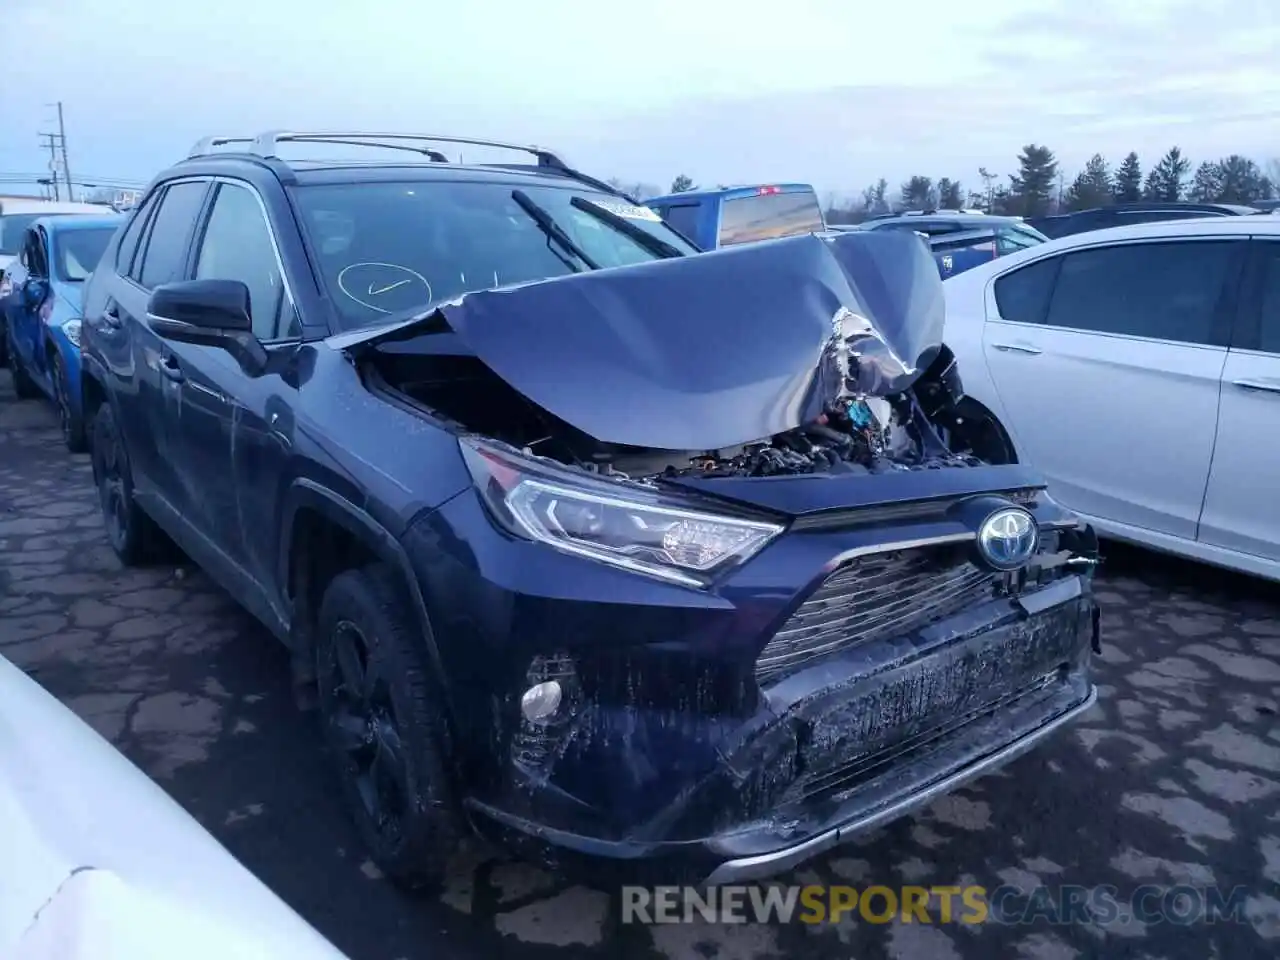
860	817
841	748
689	754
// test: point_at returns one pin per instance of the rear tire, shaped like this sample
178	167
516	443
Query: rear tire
134	536
385	727
23	386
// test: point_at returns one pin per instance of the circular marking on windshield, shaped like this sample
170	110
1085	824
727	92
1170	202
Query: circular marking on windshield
387	278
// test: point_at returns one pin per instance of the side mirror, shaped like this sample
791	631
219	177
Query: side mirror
34	293
211	313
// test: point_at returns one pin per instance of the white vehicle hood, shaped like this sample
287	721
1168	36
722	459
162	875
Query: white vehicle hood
100	863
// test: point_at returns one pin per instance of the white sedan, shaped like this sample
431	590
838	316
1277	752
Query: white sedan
99	863
1138	369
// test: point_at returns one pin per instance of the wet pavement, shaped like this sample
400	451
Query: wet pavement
1174	778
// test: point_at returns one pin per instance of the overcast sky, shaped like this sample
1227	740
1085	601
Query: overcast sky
834	92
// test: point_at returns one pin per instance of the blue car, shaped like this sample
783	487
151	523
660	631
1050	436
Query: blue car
960	240
42	311
640	560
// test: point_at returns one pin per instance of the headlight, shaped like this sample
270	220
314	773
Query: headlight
620	525
72	329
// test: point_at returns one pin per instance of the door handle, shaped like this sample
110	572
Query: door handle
1263	385
172	369
111	316
1016	348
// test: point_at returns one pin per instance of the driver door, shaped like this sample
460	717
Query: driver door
24	317
232	427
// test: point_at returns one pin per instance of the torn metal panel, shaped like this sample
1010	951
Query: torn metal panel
712	351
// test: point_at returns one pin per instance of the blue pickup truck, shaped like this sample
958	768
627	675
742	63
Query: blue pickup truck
719	218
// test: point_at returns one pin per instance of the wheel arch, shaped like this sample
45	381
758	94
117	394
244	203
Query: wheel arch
315	516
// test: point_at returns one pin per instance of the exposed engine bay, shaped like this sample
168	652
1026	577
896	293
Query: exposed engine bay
919	428
862	435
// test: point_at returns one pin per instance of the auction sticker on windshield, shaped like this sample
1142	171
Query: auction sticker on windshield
629	211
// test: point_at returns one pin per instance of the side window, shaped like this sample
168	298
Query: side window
1269	300
129	241
237	246
1023	295
1011	241
165	253
1167	291
684	217
31	254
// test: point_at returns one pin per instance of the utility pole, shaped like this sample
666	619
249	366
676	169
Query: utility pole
66	168
52	144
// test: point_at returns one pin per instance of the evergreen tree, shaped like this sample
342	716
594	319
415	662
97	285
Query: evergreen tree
1128	185
1167	178
1031	190
1093	186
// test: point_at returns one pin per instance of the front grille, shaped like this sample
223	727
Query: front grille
873	598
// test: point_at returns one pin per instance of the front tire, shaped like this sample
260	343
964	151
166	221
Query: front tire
23	386
133	535
385	726
71	422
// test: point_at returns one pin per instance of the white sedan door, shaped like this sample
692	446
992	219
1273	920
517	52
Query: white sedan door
1108	360
1242	506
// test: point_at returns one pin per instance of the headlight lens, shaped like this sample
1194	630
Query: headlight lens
615	524
72	329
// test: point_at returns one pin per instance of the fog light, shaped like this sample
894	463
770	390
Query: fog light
541	700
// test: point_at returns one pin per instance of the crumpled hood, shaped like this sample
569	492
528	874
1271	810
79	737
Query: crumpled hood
715	350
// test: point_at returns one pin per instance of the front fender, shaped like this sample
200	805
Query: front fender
72	360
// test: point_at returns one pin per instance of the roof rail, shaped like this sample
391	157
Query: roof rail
266	144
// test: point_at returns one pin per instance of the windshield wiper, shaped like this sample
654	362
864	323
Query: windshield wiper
655	245
553	231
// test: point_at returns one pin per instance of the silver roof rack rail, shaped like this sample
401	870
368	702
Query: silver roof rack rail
266	145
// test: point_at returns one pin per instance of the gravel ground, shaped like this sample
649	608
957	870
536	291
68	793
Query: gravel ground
1173	778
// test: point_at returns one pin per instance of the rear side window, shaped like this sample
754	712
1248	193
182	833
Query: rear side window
767	216
1166	291
129	241
165	256
1023	296
684	217
1269	332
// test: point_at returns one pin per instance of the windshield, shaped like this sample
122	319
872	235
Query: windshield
80	250
388	248
12	228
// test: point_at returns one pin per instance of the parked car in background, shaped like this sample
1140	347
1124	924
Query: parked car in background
43	311
100	864
731	215
16	214
1138	369
1122	214
961	239
624	555
1266	206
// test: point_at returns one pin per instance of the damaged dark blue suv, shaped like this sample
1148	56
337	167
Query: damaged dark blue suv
693	565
